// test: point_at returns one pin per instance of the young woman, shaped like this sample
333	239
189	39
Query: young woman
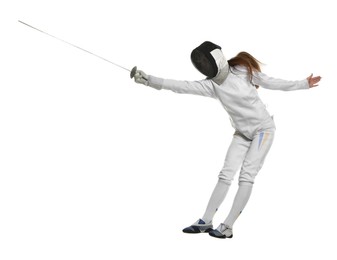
234	83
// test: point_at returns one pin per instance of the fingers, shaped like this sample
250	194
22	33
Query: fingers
137	75
316	79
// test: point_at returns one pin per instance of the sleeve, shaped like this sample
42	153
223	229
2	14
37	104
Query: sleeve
201	88
267	82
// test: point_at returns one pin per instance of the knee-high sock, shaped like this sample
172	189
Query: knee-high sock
241	198
217	197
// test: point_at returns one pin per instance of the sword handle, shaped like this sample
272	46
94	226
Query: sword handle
134	71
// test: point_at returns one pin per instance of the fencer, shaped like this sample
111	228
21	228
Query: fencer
234	83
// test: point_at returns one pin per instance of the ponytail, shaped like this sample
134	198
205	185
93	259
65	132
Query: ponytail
248	61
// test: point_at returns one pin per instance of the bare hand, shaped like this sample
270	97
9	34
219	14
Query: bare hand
313	80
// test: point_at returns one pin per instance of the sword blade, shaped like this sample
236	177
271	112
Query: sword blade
73	45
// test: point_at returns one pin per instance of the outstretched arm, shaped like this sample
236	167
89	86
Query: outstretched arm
202	87
265	81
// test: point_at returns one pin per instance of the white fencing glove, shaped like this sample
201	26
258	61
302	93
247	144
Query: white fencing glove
141	77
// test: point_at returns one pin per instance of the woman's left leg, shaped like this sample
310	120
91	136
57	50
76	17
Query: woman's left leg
253	162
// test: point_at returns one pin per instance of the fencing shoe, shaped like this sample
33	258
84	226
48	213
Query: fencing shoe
222	231
199	227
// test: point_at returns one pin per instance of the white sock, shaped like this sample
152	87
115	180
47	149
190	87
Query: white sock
218	195
241	198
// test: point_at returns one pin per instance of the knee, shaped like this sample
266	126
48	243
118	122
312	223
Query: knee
246	183
225	179
227	174
246	178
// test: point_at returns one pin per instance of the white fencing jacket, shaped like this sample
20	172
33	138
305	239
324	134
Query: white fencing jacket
237	94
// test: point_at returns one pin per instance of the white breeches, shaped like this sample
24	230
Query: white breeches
249	154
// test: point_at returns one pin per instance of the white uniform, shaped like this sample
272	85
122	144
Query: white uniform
254	127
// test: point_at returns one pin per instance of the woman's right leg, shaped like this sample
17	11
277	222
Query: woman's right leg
235	156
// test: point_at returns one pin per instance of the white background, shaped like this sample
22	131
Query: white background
94	166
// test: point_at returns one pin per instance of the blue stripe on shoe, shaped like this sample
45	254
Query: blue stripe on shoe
201	222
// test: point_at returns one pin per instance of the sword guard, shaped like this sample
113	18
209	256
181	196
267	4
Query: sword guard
133	71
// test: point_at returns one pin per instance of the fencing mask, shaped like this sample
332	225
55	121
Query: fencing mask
208	59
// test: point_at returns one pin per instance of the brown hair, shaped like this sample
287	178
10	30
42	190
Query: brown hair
248	61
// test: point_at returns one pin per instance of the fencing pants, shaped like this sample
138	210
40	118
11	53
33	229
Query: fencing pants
250	155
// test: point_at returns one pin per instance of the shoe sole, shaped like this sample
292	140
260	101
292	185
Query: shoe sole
221	237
